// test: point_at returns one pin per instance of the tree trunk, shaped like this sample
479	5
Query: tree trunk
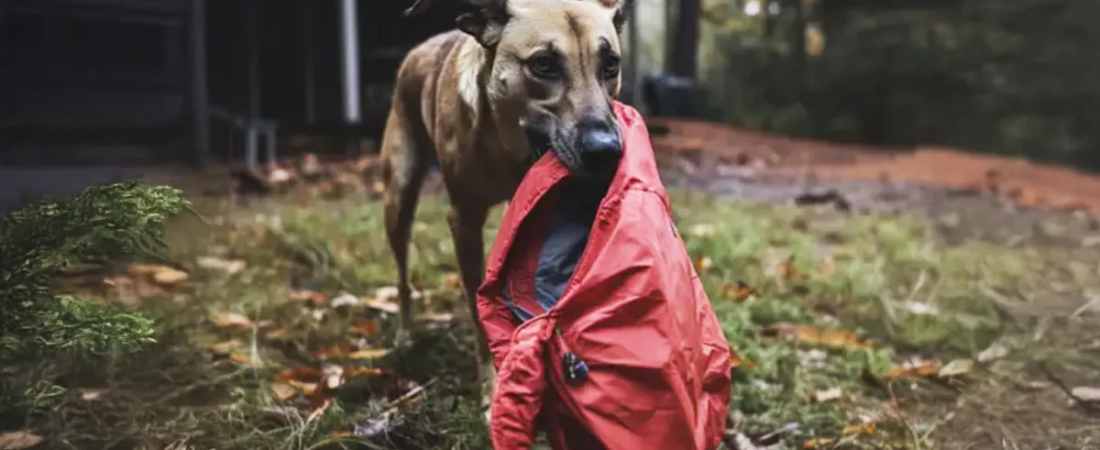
685	47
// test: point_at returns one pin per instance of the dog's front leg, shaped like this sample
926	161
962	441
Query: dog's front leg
467	226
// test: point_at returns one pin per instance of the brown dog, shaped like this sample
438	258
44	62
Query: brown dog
518	78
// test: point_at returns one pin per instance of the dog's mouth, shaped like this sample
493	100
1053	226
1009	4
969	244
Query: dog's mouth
579	164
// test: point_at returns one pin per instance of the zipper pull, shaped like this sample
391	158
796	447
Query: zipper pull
576	371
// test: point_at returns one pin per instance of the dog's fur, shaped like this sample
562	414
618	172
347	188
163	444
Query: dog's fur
518	77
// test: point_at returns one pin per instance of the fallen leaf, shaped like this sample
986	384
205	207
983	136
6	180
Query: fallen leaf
703	263
320	411
306	296
452	281
276	334
356	372
956	368
18	440
740	292
380	305
141	269
244	359
438	318
920	308
843	339
284	391
812	336
227	347
737	362
995	351
170	276
915	368
386	293
866	428
231	267
231	320
369	354
366	327
702	230
827	395
1086	394
817	443
343	300
90	394
788	271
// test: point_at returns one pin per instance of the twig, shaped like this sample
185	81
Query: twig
1085	404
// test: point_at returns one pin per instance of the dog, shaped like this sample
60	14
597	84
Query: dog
516	79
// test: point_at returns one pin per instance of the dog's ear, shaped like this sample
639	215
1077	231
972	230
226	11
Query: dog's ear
486	22
622	9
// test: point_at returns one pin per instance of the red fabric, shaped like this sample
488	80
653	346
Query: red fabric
634	311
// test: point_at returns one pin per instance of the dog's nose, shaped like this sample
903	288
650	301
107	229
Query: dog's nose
600	146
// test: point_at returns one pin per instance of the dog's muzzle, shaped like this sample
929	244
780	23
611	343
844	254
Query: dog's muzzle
600	146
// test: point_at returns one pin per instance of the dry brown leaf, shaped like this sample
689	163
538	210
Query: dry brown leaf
18	440
703	263
89	395
320	410
284	391
452	281
278	333
438	318
356	372
366	327
739	292
827	395
306	296
818	443
737	362
369	354
231	320
244	359
956	368
142	270
788	271
915	368
230	266
380	305
227	347
170	277
809	335
857	429
1086	394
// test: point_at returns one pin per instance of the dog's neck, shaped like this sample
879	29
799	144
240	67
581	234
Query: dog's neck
476	90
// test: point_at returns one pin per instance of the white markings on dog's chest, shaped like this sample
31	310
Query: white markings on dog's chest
470	60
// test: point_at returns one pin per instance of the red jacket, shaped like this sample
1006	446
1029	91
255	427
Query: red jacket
616	347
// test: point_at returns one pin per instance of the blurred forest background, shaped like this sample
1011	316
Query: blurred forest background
1010	77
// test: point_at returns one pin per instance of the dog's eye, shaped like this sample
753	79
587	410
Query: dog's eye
611	67
544	66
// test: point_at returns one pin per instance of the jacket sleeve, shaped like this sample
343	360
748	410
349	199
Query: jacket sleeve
497	324
717	378
521	384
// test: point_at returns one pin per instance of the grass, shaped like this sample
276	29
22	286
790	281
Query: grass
885	287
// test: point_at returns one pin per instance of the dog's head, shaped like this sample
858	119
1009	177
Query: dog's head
554	73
